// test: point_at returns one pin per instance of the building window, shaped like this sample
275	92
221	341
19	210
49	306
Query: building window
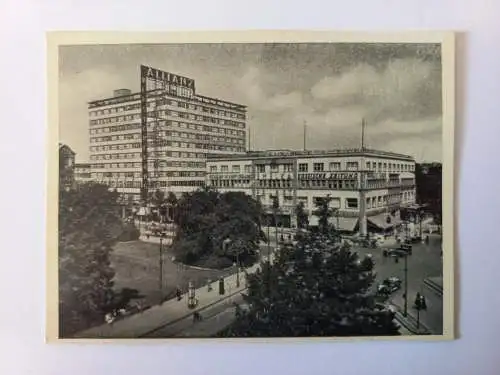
236	169
274	167
261	168
224	168
303	167
352	165
287	167
318	167
334	166
368	165
213	169
248	169
351	202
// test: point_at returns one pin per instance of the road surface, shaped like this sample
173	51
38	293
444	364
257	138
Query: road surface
215	318
423	263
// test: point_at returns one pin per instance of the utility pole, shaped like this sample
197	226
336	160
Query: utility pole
161	266
405	311
305	136
362	193
237	267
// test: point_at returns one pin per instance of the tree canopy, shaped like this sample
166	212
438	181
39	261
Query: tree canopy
324	213
302	217
319	288
206	218
89	225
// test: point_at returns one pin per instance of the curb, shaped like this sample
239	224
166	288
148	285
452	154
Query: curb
409	322
176	320
201	268
434	287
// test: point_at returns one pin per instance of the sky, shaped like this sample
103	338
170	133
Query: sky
330	87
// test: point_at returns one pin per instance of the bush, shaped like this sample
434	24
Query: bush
130	233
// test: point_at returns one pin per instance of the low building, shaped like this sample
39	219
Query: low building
368	187
66	166
82	172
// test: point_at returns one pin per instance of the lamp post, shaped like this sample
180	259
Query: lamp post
161	265
405	295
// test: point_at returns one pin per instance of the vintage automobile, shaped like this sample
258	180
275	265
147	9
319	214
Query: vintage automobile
389	286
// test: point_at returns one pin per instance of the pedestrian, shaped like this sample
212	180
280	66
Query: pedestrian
178	293
221	286
423	304
197	317
418	300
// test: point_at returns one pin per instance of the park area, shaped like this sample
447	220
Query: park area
137	266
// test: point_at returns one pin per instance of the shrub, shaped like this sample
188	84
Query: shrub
130	233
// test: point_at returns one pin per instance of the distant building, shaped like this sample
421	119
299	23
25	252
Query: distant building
368	187
66	166
82	172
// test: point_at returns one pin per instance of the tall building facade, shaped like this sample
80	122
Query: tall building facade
368	187
183	128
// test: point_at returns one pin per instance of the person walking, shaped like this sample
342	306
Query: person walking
178	293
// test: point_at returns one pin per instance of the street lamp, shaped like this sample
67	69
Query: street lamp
161	265
405	295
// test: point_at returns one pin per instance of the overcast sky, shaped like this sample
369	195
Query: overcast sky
331	87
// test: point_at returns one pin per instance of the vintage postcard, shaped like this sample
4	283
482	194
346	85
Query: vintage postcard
250	184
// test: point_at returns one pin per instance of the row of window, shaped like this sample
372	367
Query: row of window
101	175
168	123
201	146
137	155
288	184
168	134
161	163
169	102
302	184
234	169
137	116
154	184
321	167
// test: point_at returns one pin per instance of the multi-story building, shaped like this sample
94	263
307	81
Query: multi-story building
66	166
188	127
82	172
367	187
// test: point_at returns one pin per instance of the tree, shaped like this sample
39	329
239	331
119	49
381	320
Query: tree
171	203
207	218
320	288
302	218
324	212
89	226
276	211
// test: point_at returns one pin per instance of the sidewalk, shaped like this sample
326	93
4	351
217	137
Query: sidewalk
167	313
431	320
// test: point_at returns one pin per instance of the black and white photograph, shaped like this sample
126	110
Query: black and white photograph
254	188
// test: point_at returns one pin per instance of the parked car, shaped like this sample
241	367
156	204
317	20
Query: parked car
395	253
389	285
406	248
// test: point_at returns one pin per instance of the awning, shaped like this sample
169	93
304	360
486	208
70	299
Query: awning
380	221
345	224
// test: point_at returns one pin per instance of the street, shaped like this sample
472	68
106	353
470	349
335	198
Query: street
214	319
423	263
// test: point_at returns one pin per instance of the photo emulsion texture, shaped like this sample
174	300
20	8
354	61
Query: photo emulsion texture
250	190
